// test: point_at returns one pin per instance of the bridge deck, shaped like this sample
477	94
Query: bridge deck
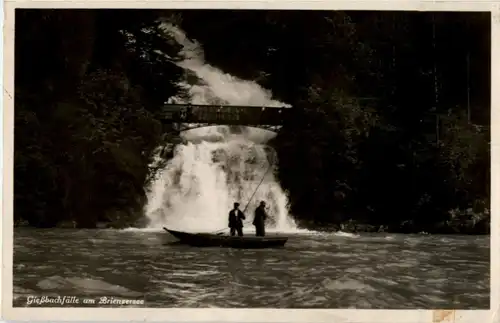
225	114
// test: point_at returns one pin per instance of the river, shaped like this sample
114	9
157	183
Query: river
315	270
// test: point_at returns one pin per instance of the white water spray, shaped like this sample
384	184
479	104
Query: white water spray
216	167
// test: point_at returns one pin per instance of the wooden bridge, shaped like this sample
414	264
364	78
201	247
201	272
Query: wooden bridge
205	115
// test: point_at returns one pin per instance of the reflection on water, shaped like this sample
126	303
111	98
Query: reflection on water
312	271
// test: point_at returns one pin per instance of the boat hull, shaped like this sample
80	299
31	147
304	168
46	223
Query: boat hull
214	240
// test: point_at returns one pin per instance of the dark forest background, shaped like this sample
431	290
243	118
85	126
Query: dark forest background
392	114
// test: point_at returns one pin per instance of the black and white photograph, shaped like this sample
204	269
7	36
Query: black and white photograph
252	159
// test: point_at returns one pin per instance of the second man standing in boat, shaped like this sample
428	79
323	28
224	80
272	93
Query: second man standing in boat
259	220
236	218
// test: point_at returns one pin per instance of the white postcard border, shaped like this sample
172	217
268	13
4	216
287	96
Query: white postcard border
244	315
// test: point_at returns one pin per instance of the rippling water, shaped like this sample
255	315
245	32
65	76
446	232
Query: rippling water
313	270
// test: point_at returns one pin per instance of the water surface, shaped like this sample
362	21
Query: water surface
372	271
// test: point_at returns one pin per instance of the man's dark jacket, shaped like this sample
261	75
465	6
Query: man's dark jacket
236	218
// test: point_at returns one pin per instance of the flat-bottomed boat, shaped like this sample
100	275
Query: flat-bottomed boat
222	240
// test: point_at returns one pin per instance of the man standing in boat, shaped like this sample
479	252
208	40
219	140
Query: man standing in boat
236	218
259	221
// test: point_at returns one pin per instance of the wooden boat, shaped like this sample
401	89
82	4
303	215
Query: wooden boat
221	240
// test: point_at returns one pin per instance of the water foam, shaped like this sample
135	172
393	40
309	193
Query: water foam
216	166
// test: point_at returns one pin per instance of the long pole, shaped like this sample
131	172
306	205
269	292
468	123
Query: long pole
255	191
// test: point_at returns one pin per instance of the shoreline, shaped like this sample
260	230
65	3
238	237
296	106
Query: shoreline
436	229
359	228
458	222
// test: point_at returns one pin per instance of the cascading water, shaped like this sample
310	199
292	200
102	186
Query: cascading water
218	165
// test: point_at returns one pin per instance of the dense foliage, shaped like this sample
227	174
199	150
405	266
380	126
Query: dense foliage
392	111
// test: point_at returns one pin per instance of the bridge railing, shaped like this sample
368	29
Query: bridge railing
223	114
